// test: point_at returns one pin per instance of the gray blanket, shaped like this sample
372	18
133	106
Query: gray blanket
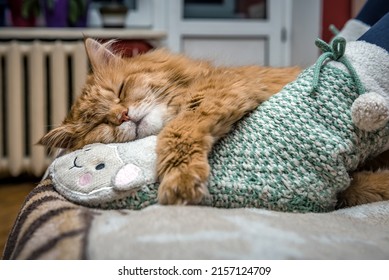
50	227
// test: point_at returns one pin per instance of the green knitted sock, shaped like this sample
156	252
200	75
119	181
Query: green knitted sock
294	152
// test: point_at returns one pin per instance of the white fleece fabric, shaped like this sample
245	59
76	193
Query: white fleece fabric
353	29
372	65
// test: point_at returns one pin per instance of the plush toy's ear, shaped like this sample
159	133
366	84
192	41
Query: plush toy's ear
99	54
60	137
128	177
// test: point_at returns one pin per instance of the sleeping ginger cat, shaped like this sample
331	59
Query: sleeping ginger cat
189	104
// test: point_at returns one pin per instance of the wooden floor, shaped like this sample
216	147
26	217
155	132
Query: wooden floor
12	195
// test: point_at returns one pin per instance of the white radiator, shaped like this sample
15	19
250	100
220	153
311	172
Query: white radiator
38	82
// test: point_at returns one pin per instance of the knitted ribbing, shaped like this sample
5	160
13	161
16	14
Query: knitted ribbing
293	153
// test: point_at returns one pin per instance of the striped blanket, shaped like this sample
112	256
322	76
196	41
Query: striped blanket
50	227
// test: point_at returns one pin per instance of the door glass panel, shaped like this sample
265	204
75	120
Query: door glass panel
225	9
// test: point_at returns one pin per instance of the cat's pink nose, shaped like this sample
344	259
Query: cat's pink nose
124	117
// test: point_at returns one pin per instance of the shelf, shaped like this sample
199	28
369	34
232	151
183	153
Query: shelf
80	33
234	28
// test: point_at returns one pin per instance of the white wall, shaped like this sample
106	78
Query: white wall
304	20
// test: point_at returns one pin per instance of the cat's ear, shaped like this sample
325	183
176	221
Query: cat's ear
60	137
99	54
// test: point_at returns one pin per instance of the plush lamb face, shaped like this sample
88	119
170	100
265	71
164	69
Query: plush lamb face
101	171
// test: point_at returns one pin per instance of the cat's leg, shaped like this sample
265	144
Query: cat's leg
215	105
370	183
185	142
366	187
183	169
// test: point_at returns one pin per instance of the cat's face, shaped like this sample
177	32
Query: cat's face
121	101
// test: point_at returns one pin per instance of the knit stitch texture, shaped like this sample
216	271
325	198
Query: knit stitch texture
293	153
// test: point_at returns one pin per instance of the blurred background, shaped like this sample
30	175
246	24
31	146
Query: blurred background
43	62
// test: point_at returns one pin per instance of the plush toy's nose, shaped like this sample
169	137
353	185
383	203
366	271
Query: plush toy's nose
85	179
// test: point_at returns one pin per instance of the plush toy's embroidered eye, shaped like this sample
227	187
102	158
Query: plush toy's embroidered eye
100	166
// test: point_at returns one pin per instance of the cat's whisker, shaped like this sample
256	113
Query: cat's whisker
158	93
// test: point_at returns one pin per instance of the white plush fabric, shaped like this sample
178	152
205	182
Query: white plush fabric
370	111
371	64
353	29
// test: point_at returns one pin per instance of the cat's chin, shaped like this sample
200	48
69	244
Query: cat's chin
148	120
127	132
145	128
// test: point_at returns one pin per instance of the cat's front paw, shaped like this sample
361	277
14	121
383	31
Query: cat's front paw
178	187
182	164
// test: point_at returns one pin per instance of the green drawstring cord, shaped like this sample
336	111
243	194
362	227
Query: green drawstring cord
335	31
335	52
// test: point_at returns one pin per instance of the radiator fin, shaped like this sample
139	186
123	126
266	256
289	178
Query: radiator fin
36	88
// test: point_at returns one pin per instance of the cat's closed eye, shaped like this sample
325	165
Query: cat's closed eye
120	92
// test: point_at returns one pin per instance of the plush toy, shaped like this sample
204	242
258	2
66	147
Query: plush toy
99	173
293	153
